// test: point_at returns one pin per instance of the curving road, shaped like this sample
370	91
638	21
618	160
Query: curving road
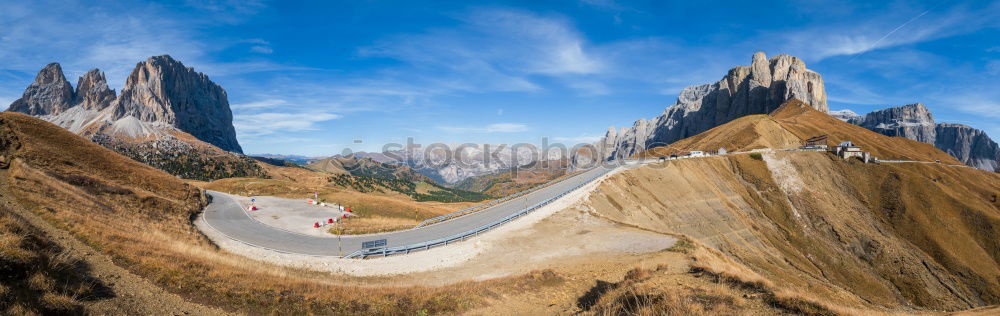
227	216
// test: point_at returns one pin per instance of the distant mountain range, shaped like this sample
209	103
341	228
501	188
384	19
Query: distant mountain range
746	90
914	121
763	86
167	116
176	119
448	167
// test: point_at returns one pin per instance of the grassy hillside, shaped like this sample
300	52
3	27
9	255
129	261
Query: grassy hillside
141	217
184	156
792	123
836	233
37	277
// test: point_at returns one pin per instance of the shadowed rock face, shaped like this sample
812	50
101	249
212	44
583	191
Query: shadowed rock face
92	92
161	89
758	89
911	121
971	146
49	94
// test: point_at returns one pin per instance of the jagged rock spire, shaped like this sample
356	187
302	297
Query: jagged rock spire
50	93
92	92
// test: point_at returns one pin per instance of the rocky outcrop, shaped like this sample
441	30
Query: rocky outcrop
92	92
758	89
167	116
50	93
970	145
160	91
911	121
163	90
914	121
844	115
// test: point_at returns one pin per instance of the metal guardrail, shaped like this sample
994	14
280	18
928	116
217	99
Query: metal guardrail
364	253
485	205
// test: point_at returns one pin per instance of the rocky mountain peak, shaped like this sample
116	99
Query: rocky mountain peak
914	121
745	90
911	121
915	113
50	93
92	92
163	90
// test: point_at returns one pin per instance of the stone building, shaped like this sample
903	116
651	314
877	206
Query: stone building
848	149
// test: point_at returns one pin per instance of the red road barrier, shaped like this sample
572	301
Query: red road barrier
329	221
316	225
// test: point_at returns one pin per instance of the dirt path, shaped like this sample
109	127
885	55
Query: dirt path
133	295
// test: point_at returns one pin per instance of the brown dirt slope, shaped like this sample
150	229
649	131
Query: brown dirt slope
806	122
894	237
742	134
792	123
140	217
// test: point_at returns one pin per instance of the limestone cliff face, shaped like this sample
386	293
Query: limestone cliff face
758	89
50	93
167	116
911	121
160	91
92	92
914	121
970	145
163	90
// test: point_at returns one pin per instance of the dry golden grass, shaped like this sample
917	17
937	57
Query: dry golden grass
723	269
792	123
653	291
373	224
141	217
37	277
742	134
882	237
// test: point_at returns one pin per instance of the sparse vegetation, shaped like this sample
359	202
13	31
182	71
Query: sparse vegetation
148	231
435	192
633	295
37	277
683	245
756	156
184	160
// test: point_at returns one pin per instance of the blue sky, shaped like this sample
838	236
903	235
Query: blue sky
311	78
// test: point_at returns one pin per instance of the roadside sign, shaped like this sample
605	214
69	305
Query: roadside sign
373	244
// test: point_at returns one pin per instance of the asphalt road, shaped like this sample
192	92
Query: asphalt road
228	217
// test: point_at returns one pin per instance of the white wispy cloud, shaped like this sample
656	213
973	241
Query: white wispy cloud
83	36
262	104
578	139
899	26
492	128
259	45
492	50
262	49
267	123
